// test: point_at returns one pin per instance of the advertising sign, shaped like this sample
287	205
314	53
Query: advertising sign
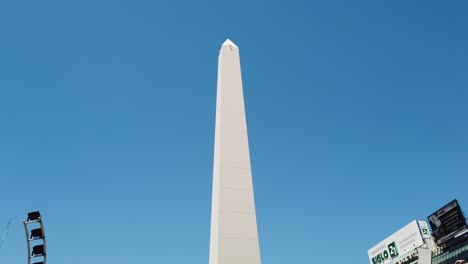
400	243
424	229
411	258
447	222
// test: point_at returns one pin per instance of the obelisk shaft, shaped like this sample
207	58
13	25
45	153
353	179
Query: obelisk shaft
234	238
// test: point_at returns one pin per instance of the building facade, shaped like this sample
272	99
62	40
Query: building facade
445	242
454	254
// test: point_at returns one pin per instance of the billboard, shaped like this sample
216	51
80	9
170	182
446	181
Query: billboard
420	255
411	258
424	229
400	243
447	222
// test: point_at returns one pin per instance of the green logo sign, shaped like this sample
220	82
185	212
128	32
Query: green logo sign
425	231
393	250
390	252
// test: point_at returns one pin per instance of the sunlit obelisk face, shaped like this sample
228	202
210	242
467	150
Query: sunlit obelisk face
234	238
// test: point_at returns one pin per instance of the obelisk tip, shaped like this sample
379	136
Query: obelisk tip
230	44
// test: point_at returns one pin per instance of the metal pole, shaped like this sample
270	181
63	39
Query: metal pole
28	241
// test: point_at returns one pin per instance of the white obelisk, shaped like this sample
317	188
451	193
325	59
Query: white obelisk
234	237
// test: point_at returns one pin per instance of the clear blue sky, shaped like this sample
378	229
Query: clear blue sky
357	114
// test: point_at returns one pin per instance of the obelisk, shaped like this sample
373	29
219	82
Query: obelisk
234	237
